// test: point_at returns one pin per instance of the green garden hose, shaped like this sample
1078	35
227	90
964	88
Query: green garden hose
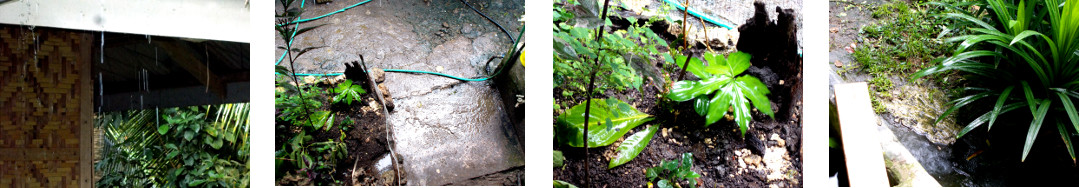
698	14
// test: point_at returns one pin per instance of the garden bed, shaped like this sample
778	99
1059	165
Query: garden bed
363	124
768	155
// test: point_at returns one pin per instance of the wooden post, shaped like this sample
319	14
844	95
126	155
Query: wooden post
861	146
86	97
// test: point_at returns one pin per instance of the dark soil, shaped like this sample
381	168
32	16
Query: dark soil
715	148
366	140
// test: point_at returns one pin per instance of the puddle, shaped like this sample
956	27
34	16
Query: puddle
446	131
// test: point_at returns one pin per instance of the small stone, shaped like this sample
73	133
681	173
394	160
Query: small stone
389	103
444	24
708	141
368	12
752	160
378	75
838	63
438	68
382	88
780	82
438	171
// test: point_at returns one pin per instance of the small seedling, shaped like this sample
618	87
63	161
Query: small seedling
348	92
670	173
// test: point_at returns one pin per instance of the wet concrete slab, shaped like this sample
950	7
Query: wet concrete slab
445	130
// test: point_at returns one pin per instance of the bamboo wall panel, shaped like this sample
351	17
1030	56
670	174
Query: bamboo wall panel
42	73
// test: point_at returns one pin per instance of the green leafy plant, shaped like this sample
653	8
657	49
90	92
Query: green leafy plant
721	77
1024	55
632	146
576	48
348	92
671	173
202	146
616	116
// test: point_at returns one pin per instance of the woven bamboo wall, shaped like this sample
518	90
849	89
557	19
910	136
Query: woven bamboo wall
43	87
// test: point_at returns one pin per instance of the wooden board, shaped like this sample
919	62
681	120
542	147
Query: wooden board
858	126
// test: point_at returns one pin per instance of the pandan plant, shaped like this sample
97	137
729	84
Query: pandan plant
1027	56
722	87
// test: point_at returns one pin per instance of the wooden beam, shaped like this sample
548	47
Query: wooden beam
174	97
86	111
858	127
186	59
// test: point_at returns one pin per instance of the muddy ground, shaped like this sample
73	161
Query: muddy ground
769	155
366	141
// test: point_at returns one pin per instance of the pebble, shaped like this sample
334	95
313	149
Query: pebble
438	68
368	12
752	160
444	24
780	82
379	75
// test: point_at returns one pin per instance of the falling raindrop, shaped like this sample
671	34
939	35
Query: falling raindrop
100	92
102	46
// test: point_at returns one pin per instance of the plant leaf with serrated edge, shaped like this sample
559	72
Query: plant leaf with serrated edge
739	62
570	125
685	90
632	146
694	66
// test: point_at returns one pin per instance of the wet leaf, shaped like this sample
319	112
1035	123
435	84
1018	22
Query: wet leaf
632	146
563	184
570	125
559	159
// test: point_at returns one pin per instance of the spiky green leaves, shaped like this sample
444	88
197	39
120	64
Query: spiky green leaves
348	92
732	92
609	119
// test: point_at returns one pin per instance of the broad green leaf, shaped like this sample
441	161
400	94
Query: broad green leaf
172	154
739	62
756	92
217	143
632	146
701	106
718	106
685	90
196	183
1035	125
188	135
664	184
559	159
741	111
570	125
694	66
164	128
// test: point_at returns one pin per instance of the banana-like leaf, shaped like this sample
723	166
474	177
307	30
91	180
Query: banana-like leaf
957	103
632	146
623	118
1069	107
1035	126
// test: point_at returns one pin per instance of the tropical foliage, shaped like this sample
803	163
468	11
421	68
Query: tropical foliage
671	173
608	121
199	146
576	49
1025	56
721	76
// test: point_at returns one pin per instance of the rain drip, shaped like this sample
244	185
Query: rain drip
100	92
102	47
206	49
